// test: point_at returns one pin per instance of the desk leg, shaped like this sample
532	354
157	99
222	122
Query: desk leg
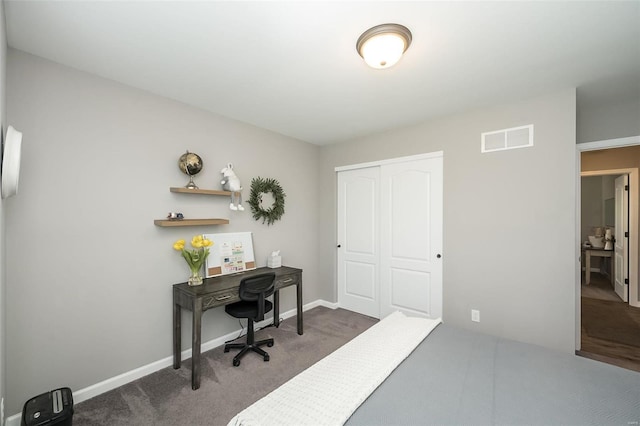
276	308
299	303
196	332
587	269
177	335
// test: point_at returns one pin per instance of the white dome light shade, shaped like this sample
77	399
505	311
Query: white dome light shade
383	51
382	46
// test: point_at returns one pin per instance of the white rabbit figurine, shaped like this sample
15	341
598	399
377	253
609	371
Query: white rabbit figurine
231	182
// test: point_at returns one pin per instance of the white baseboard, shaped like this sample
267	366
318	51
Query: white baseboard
308	306
145	370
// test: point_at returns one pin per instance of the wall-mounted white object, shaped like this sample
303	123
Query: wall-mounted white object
11	162
500	140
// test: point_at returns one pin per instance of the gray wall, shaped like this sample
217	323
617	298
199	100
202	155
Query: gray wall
609	120
509	217
98	158
89	276
591	211
591	200
3	125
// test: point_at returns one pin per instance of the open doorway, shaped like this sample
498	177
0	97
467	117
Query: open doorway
605	234
608	305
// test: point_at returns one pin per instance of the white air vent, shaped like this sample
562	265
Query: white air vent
499	140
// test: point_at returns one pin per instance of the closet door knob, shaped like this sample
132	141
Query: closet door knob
339	245
438	255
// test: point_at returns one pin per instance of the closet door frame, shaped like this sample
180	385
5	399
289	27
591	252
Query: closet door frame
340	285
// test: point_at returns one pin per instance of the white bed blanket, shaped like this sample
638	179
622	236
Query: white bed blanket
328	392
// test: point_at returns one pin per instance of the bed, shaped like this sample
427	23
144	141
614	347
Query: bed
457	376
451	377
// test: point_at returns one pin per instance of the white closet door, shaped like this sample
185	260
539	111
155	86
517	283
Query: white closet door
621	245
358	240
411	238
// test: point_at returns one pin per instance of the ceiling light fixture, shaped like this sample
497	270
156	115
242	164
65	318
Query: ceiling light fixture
383	45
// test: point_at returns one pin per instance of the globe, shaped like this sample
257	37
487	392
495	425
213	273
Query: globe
190	164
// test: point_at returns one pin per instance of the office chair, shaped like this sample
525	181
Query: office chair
253	292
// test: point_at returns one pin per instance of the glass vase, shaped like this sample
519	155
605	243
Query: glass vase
195	278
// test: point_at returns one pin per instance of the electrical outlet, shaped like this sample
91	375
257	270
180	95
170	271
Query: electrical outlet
475	315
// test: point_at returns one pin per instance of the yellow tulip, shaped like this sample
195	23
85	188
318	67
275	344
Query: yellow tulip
195	257
196	243
178	245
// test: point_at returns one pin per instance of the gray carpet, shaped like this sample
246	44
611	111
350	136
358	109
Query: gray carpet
166	398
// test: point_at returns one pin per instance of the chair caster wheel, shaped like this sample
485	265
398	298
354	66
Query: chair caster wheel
270	344
236	362
266	358
226	350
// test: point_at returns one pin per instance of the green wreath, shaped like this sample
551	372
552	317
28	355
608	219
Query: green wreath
261	186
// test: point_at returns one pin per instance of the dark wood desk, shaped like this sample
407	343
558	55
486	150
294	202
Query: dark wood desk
220	291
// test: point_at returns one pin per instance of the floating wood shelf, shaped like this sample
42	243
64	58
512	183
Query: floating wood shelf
190	222
199	191
194	222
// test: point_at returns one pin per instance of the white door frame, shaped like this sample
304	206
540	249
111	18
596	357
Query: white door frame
634	194
391	161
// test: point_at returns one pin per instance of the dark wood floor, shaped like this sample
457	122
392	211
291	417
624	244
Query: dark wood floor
615	342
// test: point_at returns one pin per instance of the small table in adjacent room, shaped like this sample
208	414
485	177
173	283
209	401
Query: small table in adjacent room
599	252
220	291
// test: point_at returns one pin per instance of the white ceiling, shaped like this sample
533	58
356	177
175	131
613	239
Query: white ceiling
292	67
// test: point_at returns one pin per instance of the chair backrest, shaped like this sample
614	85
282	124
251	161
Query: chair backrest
256	289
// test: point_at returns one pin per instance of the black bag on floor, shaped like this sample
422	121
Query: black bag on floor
50	408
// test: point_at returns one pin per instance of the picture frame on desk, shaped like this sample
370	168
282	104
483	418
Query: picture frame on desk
231	253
